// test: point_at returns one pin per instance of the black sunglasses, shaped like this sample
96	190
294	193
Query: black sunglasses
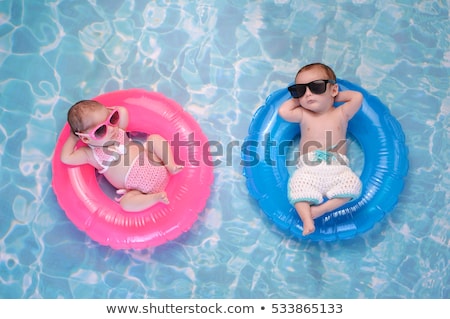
316	87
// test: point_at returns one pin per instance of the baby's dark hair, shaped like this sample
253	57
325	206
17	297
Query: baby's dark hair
77	114
329	71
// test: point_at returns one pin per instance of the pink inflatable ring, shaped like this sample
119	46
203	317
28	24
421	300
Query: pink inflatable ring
92	211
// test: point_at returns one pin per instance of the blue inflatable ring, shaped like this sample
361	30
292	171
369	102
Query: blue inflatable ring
385	165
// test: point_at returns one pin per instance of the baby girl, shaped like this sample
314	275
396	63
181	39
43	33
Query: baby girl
139	171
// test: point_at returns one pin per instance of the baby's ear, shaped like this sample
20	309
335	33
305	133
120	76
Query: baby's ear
334	90
84	139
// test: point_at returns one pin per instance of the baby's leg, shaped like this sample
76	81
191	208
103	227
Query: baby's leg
135	201
304	211
328	206
159	149
347	184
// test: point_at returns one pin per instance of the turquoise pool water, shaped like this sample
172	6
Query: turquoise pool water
219	60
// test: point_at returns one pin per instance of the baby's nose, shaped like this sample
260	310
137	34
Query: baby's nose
308	91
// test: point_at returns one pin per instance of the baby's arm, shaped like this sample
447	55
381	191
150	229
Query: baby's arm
352	102
291	111
70	156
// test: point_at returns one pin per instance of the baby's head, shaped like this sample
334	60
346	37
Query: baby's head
326	71
79	113
319	79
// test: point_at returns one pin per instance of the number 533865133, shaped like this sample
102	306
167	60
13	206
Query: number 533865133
307	308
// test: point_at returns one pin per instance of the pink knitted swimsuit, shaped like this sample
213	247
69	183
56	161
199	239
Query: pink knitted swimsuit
143	175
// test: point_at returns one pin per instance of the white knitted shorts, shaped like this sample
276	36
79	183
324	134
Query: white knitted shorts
317	177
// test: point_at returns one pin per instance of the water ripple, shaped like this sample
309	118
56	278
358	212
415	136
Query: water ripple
220	60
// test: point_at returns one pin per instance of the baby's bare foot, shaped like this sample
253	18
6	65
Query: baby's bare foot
308	228
162	197
174	169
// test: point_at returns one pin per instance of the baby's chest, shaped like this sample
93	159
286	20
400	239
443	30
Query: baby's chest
319	127
131	152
